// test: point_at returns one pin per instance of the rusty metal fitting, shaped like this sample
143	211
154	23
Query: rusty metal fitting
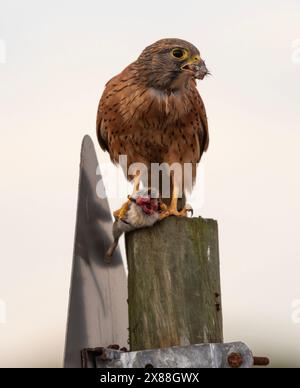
261	361
235	360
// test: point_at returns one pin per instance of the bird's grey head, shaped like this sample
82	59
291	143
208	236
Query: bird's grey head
170	63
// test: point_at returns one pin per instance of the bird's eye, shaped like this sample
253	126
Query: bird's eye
180	53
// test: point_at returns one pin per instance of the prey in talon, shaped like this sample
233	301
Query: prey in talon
142	210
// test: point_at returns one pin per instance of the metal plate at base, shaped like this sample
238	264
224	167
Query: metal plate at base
231	355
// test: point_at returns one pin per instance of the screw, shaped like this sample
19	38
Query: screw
104	356
235	360
148	366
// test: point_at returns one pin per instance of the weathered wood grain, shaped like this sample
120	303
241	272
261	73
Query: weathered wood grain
174	284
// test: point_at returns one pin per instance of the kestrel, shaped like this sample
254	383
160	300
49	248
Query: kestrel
152	112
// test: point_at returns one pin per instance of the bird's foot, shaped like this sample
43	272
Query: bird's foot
121	213
168	212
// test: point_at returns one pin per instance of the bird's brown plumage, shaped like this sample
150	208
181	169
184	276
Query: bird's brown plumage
152	111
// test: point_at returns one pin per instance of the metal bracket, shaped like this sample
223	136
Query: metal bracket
231	355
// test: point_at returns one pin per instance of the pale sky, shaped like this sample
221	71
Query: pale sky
55	57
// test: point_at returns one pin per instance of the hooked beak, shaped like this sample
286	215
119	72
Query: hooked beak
196	67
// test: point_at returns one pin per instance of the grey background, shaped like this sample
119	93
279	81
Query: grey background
59	54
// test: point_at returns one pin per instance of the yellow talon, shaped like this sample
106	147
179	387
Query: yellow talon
173	212
121	213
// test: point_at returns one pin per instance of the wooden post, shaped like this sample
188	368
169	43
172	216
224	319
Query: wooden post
174	290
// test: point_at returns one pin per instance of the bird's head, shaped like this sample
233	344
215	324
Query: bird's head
170	63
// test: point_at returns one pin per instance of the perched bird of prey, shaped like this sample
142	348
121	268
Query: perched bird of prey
153	113
141	211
